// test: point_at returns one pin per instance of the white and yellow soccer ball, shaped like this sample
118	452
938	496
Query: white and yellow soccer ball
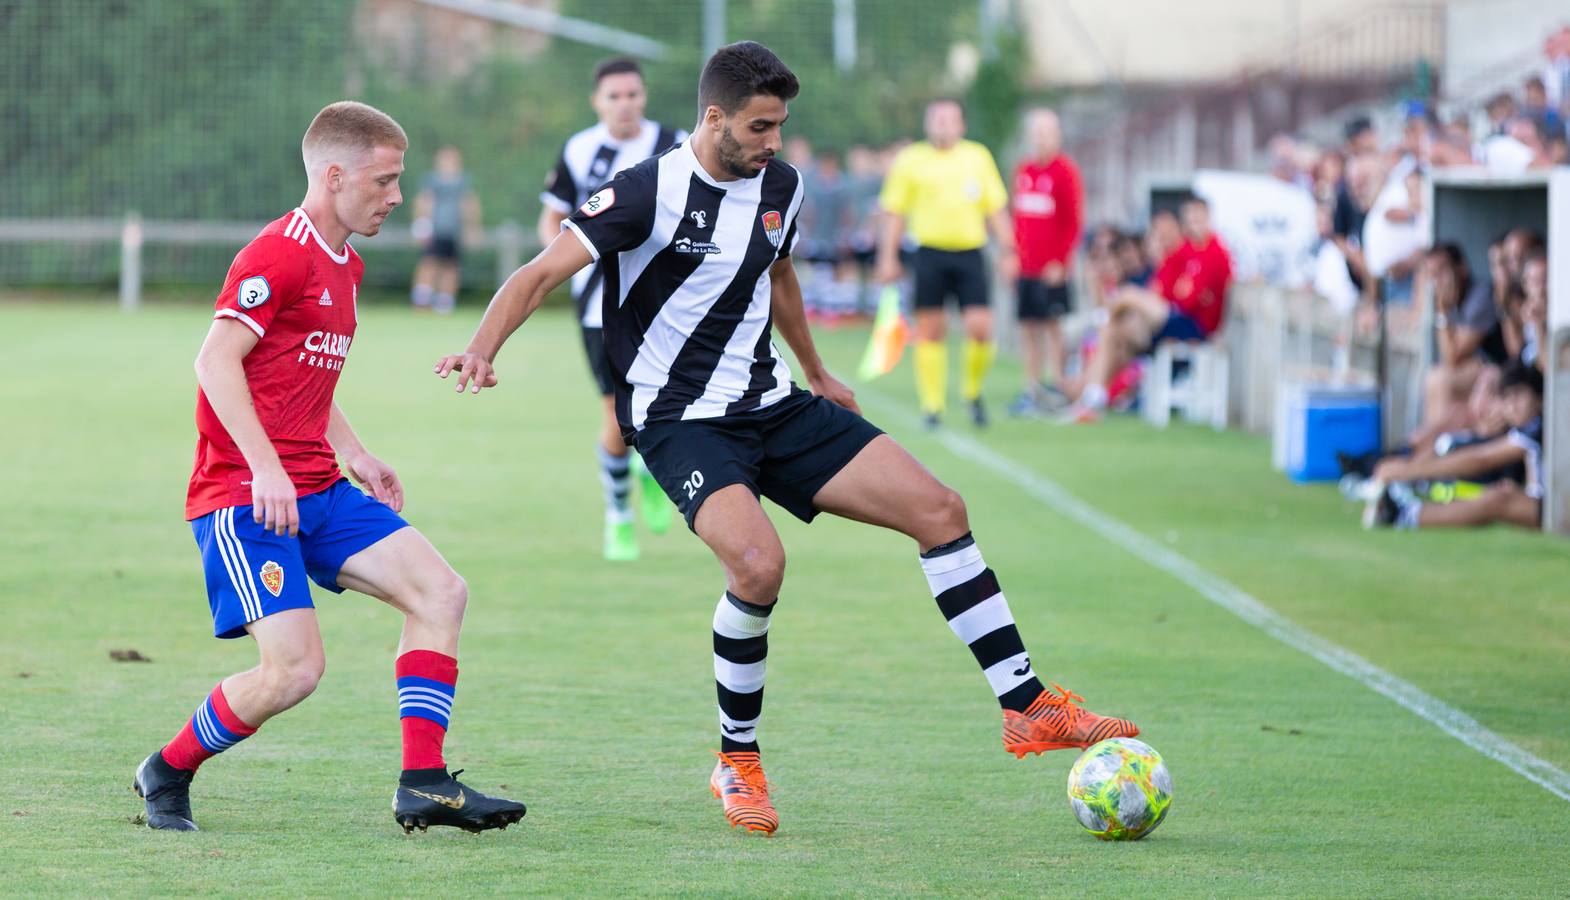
1120	789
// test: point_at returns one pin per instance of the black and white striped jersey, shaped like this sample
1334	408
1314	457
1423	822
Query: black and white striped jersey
688	328
588	160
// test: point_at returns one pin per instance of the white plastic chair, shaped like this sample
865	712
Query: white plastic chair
1201	395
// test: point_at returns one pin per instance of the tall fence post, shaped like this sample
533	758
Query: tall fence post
131	262
509	250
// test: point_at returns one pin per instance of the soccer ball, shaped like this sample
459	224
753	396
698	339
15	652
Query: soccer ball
1119	789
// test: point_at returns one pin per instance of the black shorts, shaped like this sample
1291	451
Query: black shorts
1042	302
599	363
444	248
786	452
941	274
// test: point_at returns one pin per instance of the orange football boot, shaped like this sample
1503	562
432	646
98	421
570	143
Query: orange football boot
1054	722
739	783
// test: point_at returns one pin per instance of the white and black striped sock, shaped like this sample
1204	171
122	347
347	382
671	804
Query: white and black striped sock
741	642
616	479
970	599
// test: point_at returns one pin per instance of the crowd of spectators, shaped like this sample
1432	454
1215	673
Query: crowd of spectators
839	226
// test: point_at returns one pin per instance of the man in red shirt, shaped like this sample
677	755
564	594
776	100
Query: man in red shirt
1188	304
1049	202
269	506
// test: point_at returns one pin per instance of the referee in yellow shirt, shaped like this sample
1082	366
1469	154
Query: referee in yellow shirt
950	191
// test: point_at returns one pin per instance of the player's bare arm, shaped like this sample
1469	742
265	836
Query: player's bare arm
790	318
1463	462
359	462
515	301
220	370
1003	233
549	225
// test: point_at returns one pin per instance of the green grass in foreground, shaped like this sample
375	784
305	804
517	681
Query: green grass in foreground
587	688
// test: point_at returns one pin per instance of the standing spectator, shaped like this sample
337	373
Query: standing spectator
1537	108
866	180
825	226
1396	230
950	190
1049	202
1500	110
445	212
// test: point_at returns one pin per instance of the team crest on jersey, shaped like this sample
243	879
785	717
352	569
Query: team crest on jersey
254	291
272	577
774	228
599	203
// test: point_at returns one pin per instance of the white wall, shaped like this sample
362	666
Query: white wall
1076	42
1502	38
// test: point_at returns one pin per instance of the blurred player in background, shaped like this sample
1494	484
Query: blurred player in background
622	138
704	236
446	214
269	505
1049	204
950	191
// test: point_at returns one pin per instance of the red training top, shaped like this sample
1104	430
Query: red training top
299	297
1049	213
1194	279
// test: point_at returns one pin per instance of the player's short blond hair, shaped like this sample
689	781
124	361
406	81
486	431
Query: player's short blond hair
344	131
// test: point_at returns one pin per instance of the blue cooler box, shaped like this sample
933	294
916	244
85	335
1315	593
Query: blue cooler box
1315	422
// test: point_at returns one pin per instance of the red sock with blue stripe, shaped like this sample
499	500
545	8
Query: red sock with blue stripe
426	683
212	729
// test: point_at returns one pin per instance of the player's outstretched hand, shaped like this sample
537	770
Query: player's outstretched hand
273	502
378	477
835	391
474	371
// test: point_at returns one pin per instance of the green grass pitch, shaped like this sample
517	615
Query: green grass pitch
587	689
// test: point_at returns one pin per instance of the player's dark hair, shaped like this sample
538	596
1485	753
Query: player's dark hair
738	72
1357	126
616	65
1519	374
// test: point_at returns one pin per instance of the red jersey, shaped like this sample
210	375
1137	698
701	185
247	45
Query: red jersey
299	297
1195	280
1049	205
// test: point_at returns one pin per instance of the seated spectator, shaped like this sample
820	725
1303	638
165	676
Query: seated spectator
1537	108
1134	269
1187	303
1162	239
1467	333
1534	307
1497	480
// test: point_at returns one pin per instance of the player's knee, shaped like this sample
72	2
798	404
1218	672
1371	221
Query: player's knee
945	518
297	679
446	600
757	576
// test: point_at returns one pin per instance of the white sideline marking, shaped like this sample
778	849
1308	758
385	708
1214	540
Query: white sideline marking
1233	599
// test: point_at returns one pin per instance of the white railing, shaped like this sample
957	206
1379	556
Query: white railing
509	241
1274	335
